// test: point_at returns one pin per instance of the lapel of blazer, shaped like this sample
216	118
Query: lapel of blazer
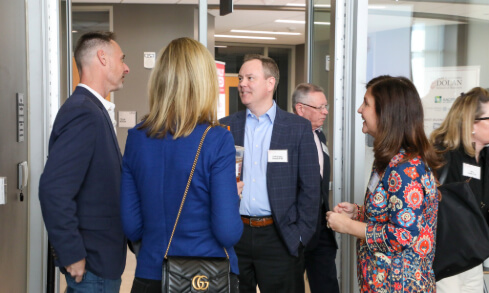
107	119
276	143
325	181
238	128
279	127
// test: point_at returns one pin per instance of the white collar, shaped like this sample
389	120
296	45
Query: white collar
107	105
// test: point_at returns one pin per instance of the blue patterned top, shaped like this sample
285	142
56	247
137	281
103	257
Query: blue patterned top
401	216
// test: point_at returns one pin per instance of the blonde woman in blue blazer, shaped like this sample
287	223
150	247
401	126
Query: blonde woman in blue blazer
183	92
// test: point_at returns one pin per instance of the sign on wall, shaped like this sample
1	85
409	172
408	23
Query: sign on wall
440	87
221	104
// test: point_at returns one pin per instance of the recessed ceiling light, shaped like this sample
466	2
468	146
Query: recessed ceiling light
220	46
244	37
322	5
265	32
74	31
290	21
322	23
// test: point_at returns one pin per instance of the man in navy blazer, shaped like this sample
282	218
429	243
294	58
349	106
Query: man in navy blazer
280	198
310	102
79	188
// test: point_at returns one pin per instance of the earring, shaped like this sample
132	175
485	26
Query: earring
473	132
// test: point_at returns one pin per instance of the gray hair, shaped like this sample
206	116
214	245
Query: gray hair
302	91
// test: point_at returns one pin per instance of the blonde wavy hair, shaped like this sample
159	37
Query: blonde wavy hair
457	127
183	90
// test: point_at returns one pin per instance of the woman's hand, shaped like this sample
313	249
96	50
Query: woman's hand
346	208
338	222
342	223
240	188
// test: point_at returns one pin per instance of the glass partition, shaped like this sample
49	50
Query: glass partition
321	54
439	45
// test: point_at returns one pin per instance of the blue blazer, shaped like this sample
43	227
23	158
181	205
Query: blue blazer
79	188
154	177
293	187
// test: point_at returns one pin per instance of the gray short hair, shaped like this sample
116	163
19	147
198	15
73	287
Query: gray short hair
302	91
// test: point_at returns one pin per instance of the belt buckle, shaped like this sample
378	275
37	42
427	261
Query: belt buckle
252	223
261	222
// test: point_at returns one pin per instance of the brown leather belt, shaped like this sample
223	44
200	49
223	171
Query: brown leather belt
257	221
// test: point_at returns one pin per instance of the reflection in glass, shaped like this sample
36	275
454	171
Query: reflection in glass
321	64
440	46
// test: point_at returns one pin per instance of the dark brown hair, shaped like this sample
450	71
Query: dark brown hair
400	122
89	41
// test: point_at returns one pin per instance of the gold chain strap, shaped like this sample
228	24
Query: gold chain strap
186	190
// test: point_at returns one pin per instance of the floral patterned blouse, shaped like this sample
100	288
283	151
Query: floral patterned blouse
401	207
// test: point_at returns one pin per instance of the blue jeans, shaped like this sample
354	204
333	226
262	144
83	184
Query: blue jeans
92	284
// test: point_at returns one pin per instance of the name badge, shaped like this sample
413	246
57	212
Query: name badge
277	156
471	171
325	149
372	184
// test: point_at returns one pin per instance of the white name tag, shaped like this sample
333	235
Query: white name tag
372	184
277	156
471	171
325	149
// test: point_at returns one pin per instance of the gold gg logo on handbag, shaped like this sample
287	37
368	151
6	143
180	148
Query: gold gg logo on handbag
200	283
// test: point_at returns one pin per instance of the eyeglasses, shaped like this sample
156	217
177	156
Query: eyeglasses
320	108
482	118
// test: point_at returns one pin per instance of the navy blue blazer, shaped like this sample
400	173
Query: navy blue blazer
154	176
331	241
293	187
79	188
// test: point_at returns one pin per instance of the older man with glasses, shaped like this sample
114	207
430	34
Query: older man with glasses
310	102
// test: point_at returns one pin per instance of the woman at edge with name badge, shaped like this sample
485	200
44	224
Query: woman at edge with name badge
461	140
396	226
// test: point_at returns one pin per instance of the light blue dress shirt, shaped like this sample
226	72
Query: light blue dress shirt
258	134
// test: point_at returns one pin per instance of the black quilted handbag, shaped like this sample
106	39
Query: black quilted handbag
195	274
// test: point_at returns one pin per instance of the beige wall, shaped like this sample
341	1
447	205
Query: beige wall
148	28
13	79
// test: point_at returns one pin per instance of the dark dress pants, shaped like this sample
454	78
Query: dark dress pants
320	263
264	260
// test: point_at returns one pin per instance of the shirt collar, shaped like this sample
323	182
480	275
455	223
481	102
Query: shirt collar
270	114
107	105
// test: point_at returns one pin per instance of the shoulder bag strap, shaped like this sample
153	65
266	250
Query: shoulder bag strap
444	171
186	190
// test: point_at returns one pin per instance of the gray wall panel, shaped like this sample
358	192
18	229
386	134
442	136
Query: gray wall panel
145	28
13	215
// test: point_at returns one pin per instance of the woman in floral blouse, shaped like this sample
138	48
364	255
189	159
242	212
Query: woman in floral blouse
396	226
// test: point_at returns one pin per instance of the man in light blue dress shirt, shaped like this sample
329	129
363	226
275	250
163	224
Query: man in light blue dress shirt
281	199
